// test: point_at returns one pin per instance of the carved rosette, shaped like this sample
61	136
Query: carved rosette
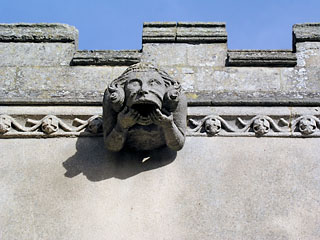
5	124
212	126
307	125
50	125
95	125
261	126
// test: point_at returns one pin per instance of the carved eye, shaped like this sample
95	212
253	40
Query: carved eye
154	82
134	83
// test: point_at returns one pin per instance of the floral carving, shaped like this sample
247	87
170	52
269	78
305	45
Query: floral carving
261	126
5	124
306	124
95	125
211	125
50	125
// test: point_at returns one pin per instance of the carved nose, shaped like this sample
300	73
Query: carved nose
143	91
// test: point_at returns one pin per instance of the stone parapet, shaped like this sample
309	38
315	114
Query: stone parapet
47	69
305	32
41	44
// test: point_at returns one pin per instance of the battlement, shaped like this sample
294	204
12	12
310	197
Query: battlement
159	33
43	58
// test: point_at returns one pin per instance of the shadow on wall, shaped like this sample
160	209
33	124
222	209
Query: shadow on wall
97	163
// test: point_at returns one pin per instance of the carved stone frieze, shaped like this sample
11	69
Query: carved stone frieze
260	125
49	125
21	122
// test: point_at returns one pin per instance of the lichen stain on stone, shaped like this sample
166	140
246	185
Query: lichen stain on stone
192	95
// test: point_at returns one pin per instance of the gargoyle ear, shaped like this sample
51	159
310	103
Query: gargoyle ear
171	99
116	98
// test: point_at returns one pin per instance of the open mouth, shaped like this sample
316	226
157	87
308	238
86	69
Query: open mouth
144	109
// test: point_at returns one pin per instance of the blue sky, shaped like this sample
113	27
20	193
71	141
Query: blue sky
117	24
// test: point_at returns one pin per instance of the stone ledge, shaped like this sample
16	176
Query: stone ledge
111	58
184	32
39	32
253	98
260	58
201	98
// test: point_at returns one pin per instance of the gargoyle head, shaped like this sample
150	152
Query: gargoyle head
144	88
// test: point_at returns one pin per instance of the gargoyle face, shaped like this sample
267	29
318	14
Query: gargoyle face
144	92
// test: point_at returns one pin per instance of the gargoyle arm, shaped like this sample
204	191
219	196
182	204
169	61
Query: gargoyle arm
114	137
175	132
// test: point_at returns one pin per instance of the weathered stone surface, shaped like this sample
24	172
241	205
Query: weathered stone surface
159	32
38	32
203	85
184	32
55	85
306	32
111	58
33	73
308	54
268	58
262	189
36	54
178	55
201	32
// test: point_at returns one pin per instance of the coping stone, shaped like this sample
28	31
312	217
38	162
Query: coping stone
38	32
107	57
258	58
184	32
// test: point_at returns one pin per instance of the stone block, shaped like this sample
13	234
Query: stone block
14	54
181	54
305	36
164	54
301	80
308	54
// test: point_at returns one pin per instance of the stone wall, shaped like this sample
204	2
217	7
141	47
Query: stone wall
256	176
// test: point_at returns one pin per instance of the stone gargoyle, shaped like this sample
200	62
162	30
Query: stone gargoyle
144	109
